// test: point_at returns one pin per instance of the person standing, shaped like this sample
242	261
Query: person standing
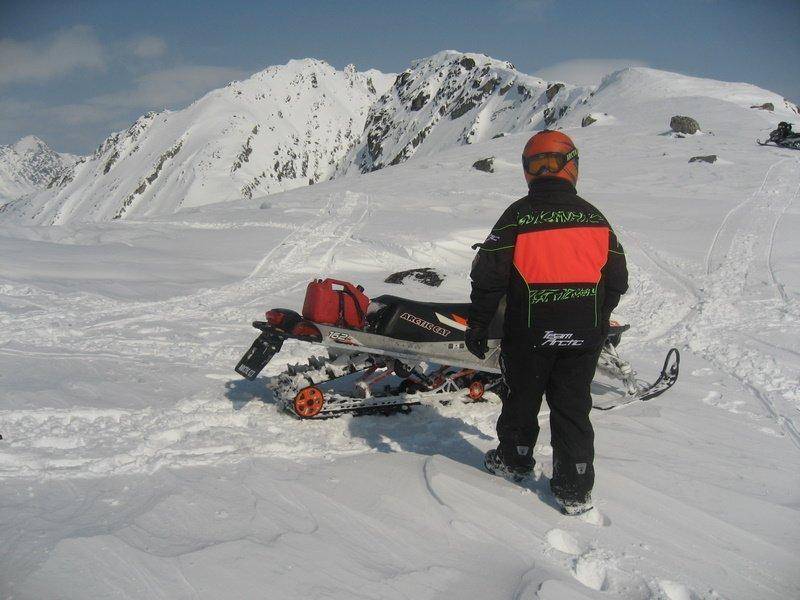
559	265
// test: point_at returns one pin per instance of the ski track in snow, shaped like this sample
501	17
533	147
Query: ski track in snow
723	311
76	443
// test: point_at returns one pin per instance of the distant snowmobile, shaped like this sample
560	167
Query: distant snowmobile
783	137
414	350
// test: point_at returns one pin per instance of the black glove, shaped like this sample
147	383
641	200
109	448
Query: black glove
605	326
476	341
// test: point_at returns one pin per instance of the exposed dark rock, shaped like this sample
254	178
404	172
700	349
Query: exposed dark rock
402	79
498	135
424	275
462	108
110	162
171	153
420	136
484	164
687	125
711	158
765	106
588	120
552	90
418	102
490	86
467	63
243	157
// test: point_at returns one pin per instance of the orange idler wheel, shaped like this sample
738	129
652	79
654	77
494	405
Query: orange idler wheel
476	390
308	402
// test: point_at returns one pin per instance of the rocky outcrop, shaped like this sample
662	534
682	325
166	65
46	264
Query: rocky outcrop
766	106
453	99
588	120
686	125
484	164
424	275
711	158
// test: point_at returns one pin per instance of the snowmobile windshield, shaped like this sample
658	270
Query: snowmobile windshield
547	162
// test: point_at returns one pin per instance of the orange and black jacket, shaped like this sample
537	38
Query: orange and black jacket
560	266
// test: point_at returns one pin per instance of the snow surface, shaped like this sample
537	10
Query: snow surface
136	463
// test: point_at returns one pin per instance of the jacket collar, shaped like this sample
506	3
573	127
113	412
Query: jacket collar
548	185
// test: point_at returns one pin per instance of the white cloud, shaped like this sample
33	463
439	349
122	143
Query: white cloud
170	87
586	71
71	49
79	127
148	46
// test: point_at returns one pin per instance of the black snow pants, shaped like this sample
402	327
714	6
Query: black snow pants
565	376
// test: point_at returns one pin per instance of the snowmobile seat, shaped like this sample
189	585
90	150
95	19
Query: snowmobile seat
415	321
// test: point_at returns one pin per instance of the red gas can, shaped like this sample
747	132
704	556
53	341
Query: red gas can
344	307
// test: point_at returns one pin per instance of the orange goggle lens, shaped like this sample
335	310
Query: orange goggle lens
547	162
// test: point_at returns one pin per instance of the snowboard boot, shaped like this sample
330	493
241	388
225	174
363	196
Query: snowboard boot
494	463
573	506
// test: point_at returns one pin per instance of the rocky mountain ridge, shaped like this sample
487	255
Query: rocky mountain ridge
454	98
30	165
304	122
284	127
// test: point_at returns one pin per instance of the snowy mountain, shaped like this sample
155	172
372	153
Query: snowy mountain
30	165
284	127
135	463
454	98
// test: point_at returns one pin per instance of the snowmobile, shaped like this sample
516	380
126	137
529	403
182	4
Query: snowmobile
388	353
783	137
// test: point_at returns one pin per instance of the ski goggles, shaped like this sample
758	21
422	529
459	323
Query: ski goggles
548	162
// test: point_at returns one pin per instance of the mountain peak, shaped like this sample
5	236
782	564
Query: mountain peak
30	143
454	98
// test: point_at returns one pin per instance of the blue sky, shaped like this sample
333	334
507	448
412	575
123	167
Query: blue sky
71	72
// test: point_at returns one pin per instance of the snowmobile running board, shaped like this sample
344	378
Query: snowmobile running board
368	361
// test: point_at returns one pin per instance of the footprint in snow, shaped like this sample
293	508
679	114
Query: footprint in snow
563	541
600	570
676	591
595	517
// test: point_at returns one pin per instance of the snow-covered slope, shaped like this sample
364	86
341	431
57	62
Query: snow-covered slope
135	463
28	166
284	127
454	98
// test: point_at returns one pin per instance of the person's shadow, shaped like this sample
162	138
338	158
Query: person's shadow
425	430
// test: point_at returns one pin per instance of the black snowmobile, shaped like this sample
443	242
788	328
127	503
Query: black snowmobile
783	137
400	352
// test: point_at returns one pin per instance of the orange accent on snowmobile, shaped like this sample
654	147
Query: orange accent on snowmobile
309	402
564	255
460	319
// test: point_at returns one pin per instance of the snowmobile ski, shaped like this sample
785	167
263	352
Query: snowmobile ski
787	146
643	391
